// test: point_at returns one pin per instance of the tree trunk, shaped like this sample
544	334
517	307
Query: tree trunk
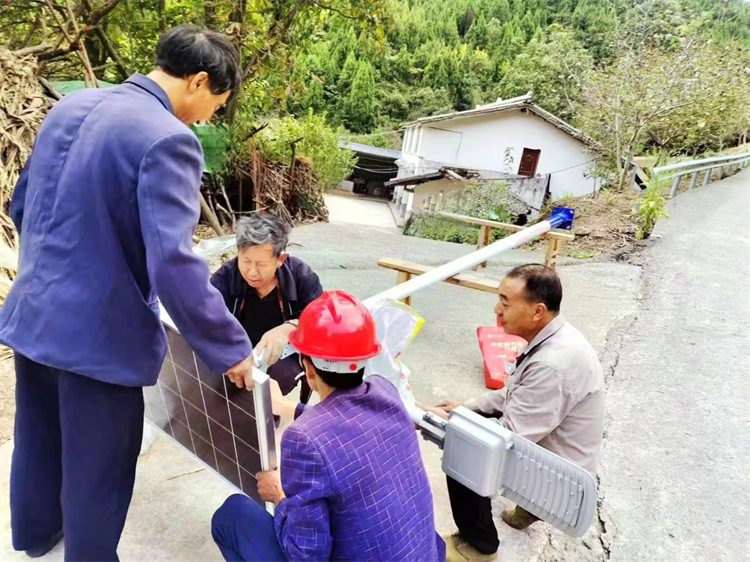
625	173
618	135
237	16
238	12
209	14
210	216
162	22
119	64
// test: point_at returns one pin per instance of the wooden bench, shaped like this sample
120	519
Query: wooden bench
554	237
405	269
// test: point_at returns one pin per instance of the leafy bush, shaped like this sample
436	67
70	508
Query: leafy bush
431	227
488	200
485	200
317	140
648	209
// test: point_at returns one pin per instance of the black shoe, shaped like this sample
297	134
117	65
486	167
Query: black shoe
45	547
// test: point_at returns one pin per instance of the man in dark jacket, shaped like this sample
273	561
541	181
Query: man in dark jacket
105	207
267	289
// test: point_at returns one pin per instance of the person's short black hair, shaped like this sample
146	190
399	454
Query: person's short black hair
186	50
338	380
542	284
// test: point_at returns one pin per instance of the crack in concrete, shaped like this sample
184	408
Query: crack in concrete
606	528
610	359
602	520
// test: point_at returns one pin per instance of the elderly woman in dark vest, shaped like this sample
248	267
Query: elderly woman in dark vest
267	289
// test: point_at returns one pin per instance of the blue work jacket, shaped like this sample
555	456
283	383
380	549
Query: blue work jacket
105	207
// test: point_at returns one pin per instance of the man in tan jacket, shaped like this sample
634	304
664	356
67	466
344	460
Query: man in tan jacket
554	397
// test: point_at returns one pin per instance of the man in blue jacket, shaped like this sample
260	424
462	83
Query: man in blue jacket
105	207
267	289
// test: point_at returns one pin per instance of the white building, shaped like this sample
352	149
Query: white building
539	143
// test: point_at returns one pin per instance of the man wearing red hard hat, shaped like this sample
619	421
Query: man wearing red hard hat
352	485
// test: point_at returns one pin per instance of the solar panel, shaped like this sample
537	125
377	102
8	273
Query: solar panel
228	429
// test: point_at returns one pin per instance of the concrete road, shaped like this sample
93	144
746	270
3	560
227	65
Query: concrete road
444	357
675	471
356	210
672	330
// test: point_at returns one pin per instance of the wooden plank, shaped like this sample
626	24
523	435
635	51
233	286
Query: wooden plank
561	235
481	222
554	233
468	280
474	282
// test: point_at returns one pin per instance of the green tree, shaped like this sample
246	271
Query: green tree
304	54
360	105
712	114
553	70
595	24
346	77
646	88
315	139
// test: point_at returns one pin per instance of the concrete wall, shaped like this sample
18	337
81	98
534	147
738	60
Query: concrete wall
424	191
440	145
480	142
408	202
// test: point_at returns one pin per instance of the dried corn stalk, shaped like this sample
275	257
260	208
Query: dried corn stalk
292	193
22	108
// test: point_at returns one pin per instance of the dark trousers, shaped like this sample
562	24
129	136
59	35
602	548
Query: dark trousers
243	530
288	373
76	444
473	516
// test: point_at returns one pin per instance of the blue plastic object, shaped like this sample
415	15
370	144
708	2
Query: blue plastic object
561	217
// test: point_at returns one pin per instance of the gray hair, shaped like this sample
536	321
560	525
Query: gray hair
262	228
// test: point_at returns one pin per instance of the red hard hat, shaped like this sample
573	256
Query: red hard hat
336	327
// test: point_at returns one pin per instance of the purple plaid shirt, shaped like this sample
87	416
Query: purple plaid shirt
355	485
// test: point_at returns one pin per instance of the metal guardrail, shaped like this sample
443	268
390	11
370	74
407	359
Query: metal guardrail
694	167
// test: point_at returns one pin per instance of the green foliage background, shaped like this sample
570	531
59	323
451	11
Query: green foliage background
360	68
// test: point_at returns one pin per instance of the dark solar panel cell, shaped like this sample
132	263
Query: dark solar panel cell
249	458
204	451
197	421
250	485
167	375
182	355
216	407
222	439
241	398
214	381
228	469
182	436
173	403
190	388
244	426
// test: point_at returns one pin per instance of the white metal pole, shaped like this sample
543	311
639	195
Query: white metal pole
264	423
693	178
675	185
463	263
